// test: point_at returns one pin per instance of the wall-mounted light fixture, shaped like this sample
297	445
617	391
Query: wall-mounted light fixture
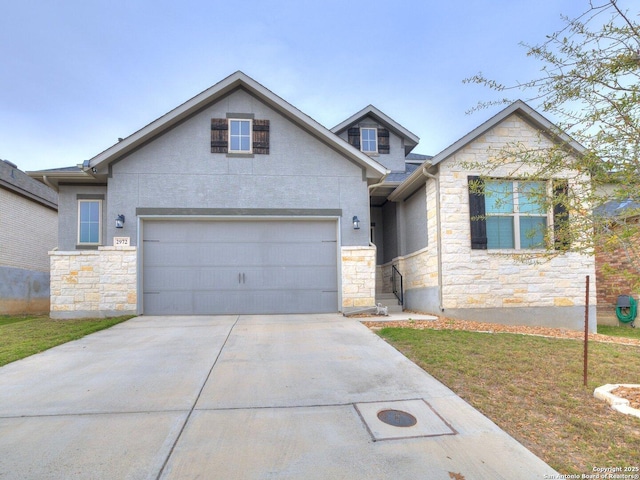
120	221
356	223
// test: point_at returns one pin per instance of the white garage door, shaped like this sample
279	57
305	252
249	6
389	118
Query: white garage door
239	267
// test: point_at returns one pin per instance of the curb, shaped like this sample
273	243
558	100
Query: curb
617	403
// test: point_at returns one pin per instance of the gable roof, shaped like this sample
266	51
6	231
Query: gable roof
410	139
516	108
237	80
18	182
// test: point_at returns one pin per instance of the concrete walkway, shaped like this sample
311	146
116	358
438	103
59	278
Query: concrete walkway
249	397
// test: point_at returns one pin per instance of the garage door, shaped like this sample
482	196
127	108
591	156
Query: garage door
239	267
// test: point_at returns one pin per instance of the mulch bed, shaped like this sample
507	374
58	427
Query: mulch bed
629	393
443	323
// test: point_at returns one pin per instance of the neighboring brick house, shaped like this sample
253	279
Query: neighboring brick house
615	271
28	230
237	202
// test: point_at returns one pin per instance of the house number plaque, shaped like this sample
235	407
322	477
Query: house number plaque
121	241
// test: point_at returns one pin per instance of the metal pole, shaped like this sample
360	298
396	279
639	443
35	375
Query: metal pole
586	331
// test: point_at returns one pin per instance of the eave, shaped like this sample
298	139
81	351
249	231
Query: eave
238	80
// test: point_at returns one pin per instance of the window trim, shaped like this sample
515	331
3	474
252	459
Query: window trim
240	136
375	139
100	203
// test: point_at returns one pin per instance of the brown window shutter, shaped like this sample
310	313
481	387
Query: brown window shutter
354	137
383	141
562	239
261	137
477	210
219	135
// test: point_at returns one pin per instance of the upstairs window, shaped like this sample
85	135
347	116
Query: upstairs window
369	140
89	222
243	136
239	136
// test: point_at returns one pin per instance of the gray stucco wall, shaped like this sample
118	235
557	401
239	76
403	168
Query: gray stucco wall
390	232
178	170
23	291
414	222
423	300
378	233
68	214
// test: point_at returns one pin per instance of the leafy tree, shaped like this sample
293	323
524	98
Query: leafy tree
589	85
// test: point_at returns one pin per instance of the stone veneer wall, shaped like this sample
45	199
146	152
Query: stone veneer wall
492	279
94	283
358	277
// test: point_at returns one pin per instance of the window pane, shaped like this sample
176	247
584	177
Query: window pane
84	234
94	212
240	136
369	140
531	197
500	232
89	224
532	232
498	197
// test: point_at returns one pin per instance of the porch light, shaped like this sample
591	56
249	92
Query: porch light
120	221
356	223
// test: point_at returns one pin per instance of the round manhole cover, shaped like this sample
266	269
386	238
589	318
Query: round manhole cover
397	418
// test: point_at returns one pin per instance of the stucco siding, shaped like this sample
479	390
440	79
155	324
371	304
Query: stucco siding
390	235
68	214
414	222
178	170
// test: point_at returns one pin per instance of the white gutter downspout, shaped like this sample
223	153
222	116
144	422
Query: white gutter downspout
439	240
48	183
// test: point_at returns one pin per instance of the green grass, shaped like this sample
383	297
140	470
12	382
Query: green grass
620	331
22	336
532	387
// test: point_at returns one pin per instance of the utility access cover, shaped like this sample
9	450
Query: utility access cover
397	418
402	419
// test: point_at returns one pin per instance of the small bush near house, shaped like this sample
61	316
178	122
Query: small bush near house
532	387
22	336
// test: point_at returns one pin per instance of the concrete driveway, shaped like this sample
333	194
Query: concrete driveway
248	397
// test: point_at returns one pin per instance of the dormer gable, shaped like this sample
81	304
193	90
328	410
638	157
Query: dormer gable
379	136
370	117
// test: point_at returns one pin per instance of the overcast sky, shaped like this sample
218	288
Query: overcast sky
78	74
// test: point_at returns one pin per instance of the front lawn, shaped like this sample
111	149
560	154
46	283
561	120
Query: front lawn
21	336
532	387
620	331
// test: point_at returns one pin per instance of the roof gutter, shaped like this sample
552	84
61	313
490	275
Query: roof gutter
46	181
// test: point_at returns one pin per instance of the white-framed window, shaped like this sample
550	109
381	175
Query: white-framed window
89	222
516	215
239	135
369	139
